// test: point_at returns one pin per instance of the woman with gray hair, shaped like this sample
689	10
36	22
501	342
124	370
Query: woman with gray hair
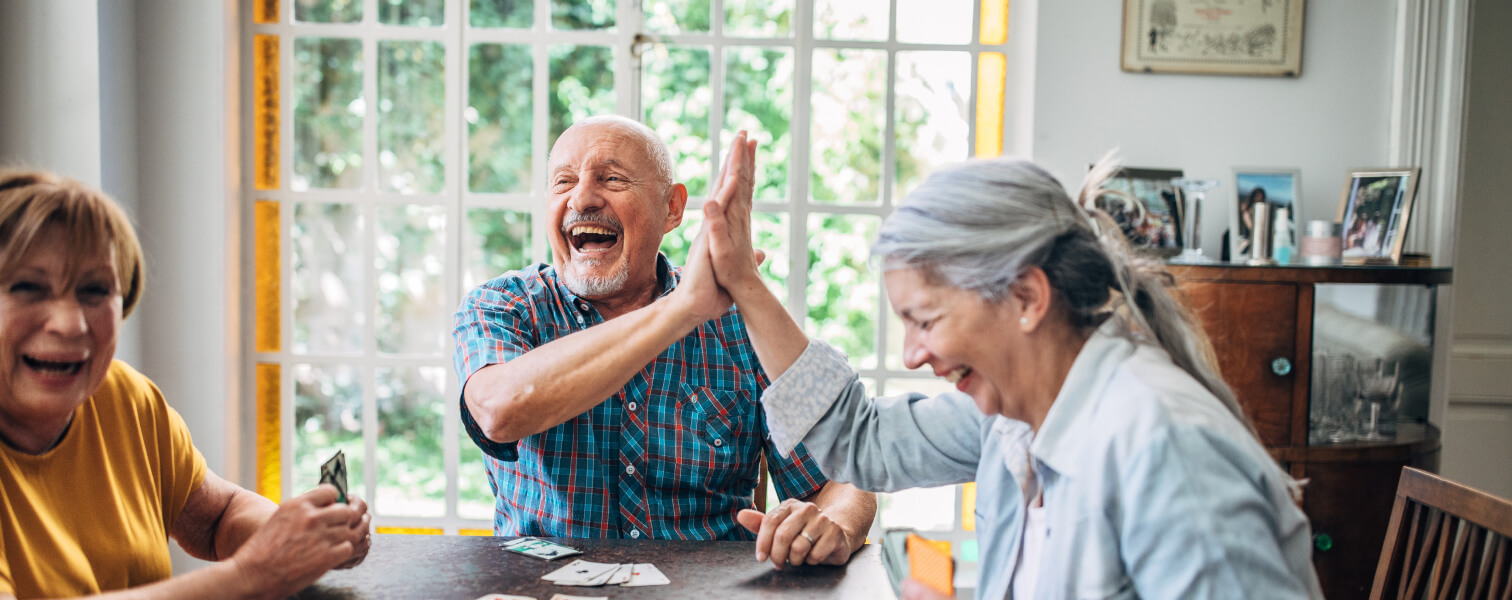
1111	460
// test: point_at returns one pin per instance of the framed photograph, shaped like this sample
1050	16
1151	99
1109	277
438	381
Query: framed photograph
1243	37
1374	212
1143	203
1276	187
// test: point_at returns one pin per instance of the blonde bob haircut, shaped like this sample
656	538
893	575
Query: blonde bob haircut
92	224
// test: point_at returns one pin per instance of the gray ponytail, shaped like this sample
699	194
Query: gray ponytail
979	224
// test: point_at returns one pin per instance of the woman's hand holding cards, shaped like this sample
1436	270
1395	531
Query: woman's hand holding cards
307	536
796	533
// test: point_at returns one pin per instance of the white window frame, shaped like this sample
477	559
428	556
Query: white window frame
457	38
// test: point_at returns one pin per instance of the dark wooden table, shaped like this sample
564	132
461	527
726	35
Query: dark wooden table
464	568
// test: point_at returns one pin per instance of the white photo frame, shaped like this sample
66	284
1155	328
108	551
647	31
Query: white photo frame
1279	187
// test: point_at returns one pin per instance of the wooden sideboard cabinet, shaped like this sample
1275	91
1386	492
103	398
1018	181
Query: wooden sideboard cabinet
1262	321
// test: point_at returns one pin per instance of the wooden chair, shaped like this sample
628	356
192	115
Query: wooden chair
1445	541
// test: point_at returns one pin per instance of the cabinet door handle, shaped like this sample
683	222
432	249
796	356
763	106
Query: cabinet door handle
1281	366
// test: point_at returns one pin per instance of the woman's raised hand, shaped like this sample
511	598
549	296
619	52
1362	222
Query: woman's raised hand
727	220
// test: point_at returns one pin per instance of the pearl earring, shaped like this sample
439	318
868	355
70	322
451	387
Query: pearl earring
1023	320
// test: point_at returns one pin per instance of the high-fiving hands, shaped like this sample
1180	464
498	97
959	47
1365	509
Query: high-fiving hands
722	264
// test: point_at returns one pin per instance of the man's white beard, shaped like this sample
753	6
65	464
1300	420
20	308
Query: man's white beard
597	287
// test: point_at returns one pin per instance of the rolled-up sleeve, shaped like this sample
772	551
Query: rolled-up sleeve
881	444
494	325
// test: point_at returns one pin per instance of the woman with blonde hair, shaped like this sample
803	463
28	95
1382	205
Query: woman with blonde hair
1111	460
96	470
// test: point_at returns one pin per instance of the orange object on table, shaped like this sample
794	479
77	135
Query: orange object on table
931	565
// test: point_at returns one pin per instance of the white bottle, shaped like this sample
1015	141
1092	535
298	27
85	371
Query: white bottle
1282	245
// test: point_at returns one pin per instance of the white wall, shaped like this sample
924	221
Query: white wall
1330	119
1478	423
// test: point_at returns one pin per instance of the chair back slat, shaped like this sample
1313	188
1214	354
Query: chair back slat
1445	541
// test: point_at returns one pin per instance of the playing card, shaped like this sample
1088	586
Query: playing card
504	597
334	472
567	597
539	548
621	575
579	572
645	574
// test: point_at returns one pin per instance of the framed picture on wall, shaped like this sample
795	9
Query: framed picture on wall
1274	187
1374	212
1143	203
1259	37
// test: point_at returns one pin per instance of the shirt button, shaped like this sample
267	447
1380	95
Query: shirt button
630	469
583	306
632	406
718	442
635	533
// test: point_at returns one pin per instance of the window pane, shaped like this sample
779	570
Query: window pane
411	477
850	20
771	234
932	93
759	18
328	110
921	509
475	499
328	11
411	117
582	85
675	91
935	21
582	14
759	98
327	278
518	14
423	13
327	418
677	16
499	117
842	290
413	316
849	108
497	240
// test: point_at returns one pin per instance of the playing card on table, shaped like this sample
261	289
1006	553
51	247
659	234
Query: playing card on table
579	571
645	574
334	472
539	548
621	575
567	597
504	597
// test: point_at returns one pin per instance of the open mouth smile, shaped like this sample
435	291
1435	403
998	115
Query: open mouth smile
52	367
589	238
956	375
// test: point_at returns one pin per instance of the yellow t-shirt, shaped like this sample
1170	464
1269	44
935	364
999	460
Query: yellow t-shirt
93	513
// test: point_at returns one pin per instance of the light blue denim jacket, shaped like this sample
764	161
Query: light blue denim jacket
1152	488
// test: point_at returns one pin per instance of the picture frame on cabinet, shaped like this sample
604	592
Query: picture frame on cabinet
1278	187
1374	210
1143	202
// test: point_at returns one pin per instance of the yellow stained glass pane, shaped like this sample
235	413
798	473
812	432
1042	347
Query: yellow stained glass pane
968	507
265	111
411	530
265	11
994	22
475	532
269	431
266	279
992	73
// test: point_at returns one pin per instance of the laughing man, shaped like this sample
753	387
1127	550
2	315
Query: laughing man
613	394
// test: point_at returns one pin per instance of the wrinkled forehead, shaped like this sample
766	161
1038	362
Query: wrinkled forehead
586	146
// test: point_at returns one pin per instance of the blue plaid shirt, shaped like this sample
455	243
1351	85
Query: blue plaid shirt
674	455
